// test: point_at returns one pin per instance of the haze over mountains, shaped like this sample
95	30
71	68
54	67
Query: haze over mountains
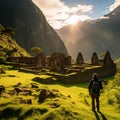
32	29
93	35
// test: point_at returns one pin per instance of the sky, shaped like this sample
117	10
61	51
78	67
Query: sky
64	12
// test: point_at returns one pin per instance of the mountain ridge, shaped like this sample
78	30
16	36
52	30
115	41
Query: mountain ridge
30	25
94	36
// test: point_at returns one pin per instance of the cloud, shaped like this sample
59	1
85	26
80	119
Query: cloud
81	9
104	17
58	14
113	6
75	18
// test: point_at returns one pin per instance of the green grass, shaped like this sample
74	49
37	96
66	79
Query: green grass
9	46
118	64
74	102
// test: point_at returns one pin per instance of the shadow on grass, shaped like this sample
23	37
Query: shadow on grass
97	116
103	116
81	84
50	81
10	113
32	111
5	104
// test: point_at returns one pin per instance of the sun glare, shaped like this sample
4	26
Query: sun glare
72	20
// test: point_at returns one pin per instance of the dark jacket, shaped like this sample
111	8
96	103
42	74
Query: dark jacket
91	83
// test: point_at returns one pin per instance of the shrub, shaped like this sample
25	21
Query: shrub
113	89
110	101
2	69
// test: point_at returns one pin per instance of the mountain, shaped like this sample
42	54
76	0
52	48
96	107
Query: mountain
8	45
91	36
32	29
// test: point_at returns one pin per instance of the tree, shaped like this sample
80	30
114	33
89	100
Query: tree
36	50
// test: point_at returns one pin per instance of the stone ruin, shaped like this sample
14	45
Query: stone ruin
82	71
40	60
59	61
94	59
56	60
106	61
80	59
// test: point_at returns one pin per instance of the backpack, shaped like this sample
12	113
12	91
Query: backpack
95	89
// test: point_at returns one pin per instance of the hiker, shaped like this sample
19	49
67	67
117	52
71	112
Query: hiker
94	87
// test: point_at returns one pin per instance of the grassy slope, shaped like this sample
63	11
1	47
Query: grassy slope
77	107
8	44
118	64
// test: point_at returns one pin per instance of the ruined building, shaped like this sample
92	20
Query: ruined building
73	73
83	71
80	59
94	59
56	60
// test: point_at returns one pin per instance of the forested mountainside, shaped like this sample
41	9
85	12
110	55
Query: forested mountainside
8	45
32	29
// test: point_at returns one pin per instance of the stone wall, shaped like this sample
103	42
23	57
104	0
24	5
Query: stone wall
104	67
94	59
74	73
40	60
86	75
25	60
79	59
56	60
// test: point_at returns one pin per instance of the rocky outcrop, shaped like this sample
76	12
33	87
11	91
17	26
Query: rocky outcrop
2	88
44	94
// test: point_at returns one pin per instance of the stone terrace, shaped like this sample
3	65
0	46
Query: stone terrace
68	72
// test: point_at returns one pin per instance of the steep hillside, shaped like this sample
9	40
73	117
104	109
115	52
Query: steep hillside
31	26
8	45
95	35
